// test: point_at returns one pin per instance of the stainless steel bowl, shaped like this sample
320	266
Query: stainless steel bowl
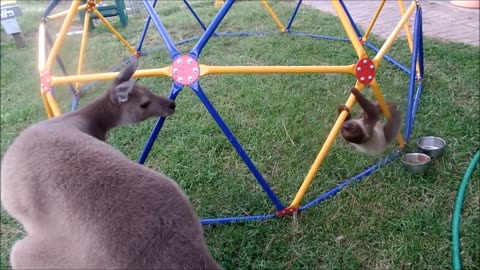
416	162
432	146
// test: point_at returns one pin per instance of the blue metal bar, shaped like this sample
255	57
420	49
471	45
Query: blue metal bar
161	30
195	15
389	58
319	36
176	88
238	147
413	66
352	22
294	14
51	5
74	104
145	29
208	221
356	178
197	49
420	42
416	102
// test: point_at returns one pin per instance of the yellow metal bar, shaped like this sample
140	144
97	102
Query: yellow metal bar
111	75
323	151
408	33
46	105
273	15
41	47
53	104
357	46
63	13
210	70
384	107
83	45
110	27
372	23
61	36
388	43
218	3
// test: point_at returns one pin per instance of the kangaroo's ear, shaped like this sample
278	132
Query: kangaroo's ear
119	93
127	73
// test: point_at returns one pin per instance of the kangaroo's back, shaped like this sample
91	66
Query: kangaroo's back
85	205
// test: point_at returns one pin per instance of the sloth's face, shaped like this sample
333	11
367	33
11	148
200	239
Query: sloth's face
353	132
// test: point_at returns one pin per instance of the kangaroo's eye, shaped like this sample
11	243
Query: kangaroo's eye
145	104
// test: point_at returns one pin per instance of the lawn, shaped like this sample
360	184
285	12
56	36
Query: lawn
390	220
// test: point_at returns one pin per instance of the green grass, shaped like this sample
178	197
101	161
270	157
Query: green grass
390	220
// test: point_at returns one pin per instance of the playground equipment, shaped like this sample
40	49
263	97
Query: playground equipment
186	70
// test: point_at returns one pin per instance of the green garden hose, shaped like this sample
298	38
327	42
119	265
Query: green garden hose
457	212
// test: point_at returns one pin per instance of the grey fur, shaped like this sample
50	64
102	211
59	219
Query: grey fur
84	205
366	133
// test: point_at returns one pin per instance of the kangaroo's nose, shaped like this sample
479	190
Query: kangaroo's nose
172	105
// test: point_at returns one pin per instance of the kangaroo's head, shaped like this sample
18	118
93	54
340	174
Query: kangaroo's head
134	102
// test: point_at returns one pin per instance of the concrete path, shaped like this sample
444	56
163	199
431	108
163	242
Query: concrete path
441	19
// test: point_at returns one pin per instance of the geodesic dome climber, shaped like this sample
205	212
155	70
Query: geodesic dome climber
187	70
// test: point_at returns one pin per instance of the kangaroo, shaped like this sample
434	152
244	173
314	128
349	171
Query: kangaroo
85	205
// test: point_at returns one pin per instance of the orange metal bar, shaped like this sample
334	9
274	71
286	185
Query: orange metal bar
372	23
357	46
114	32
41	65
210	70
384	107
63	13
111	75
83	45
41	47
273	15
408	33
388	43
61	37
53	104
46	105
324	151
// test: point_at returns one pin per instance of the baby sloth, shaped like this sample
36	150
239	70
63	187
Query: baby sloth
367	133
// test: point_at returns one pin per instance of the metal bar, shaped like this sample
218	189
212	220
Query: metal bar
352	22
195	15
51	5
389	58
273	15
349	30
324	150
60	63
294	14
53	104
389	42
383	106
408	118
332	192
145	29
210	70
197	49
372	23
174	52
225	220
114	32
61	36
238	147
319	36
83	46
111	75
175	90
63	13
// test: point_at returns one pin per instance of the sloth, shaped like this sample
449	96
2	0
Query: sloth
366	133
